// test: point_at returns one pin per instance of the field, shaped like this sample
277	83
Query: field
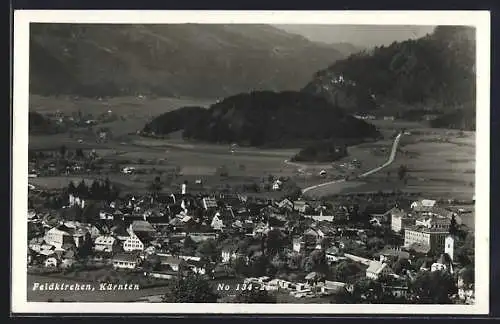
441	163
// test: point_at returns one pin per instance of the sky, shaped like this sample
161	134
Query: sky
358	35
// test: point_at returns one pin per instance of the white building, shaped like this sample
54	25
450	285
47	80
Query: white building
277	185
76	201
51	262
377	269
430	237
449	246
125	261
217	223
57	237
400	221
133	243
105	244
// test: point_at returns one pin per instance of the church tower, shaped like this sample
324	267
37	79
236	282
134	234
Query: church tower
449	246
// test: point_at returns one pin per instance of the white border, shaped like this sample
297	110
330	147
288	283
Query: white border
22	18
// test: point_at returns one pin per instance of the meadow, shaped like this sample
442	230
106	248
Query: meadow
440	162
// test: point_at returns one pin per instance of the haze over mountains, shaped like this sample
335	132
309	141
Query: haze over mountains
359	36
186	60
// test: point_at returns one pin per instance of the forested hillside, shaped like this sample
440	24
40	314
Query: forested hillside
435	72
266	118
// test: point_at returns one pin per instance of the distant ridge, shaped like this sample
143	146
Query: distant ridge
190	60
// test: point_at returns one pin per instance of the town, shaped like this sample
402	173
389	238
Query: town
351	248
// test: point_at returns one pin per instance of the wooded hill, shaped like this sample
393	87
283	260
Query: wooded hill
265	118
435	72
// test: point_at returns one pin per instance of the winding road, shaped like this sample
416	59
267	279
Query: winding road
391	158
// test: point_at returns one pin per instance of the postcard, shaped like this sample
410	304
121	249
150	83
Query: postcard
251	162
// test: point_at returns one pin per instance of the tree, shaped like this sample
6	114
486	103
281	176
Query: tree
62	151
95	190
240	266
345	270
402	171
156	186
86	248
255	296
191	289
189	246
434	287
467	275
223	171
274	242
71	188
453	226
82	190
316	262
368	290
465	250
260	266
79	153
208	249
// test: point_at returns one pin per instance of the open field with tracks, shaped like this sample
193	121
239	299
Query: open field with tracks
440	162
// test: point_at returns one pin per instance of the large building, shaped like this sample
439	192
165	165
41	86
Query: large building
401	220
434	238
434	221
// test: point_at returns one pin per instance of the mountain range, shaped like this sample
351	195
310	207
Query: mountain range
175	60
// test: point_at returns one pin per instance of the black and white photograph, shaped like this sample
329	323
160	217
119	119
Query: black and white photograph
249	162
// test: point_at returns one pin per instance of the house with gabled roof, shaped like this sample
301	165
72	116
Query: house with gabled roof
209	203
377	269
126	260
301	206
106	243
217	223
286	204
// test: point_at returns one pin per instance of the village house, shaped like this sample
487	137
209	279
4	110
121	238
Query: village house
51	262
126	261
301	206
333	254
393	254
285	204
377	269
58	236
333	287
277	184
76	201
209	203
422	205
442	264
200	237
106	243
198	267
397	291
133	243
172	262
217	223
229	253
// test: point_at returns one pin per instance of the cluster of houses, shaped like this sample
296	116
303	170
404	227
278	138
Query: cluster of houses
138	231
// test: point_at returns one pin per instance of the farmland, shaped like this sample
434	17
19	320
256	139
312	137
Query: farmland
440	162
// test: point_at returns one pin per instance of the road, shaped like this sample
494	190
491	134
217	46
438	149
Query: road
391	158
